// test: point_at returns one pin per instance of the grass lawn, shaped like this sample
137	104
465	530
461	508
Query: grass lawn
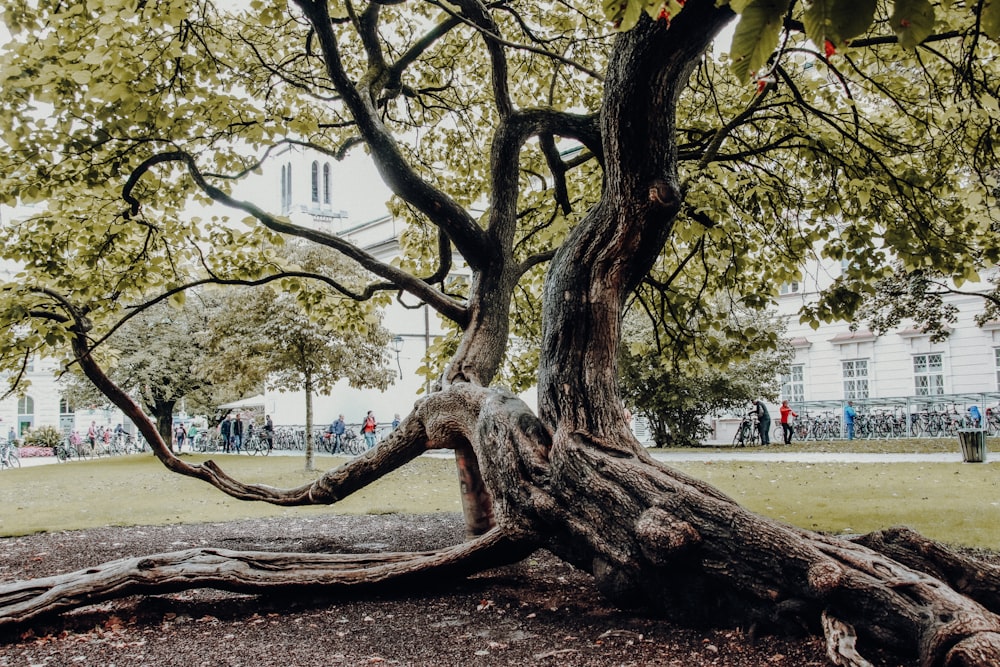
956	503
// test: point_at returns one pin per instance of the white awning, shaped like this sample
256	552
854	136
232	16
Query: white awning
252	402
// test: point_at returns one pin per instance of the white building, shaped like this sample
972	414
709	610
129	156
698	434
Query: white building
832	364
348	199
902	369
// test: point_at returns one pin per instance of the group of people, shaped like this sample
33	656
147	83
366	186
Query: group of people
786	414
184	433
850	414
369	430
102	435
234	433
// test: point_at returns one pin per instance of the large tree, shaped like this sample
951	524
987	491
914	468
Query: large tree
617	161
159	357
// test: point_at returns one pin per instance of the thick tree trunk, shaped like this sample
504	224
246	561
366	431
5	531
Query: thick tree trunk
163	412
649	535
573	479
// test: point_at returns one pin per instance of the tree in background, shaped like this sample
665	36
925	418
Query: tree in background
568	165
266	338
158	356
678	394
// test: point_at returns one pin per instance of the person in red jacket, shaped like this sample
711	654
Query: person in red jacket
368	429
786	425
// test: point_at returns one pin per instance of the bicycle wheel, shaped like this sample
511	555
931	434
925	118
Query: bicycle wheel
254	446
355	445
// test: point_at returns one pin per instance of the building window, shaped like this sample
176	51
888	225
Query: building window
928	374
315	182
286	188
326	183
996	351
793	386
64	407
789	288
855	379
25	414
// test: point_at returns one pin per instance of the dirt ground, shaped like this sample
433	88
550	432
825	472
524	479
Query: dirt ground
538	612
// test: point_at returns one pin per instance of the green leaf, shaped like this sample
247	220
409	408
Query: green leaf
837	21
756	36
990	19
912	21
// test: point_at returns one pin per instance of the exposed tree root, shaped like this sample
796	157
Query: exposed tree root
251	572
969	576
840	643
651	537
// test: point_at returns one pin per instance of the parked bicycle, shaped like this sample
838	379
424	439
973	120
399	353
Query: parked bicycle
67	450
254	445
352	443
10	457
993	421
289	439
206	442
747	434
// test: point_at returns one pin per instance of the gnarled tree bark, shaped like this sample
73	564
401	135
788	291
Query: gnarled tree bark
572	479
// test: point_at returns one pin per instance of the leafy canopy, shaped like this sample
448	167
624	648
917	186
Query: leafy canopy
830	24
881	149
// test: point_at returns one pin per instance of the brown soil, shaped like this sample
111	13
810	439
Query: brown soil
539	612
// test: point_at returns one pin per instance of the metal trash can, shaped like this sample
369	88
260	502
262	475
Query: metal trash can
973	441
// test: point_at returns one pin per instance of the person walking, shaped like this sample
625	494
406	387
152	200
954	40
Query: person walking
849	414
269	432
786	425
180	433
763	422
236	433
338	428
368	429
225	426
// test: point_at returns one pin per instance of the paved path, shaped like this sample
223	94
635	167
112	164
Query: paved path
804	457
720	454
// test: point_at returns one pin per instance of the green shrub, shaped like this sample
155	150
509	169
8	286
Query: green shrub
43	436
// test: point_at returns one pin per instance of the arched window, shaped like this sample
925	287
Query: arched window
326	183
315	182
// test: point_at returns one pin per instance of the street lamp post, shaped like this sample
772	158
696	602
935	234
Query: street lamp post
397	345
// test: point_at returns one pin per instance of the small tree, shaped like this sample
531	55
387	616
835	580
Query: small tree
677	387
263	337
